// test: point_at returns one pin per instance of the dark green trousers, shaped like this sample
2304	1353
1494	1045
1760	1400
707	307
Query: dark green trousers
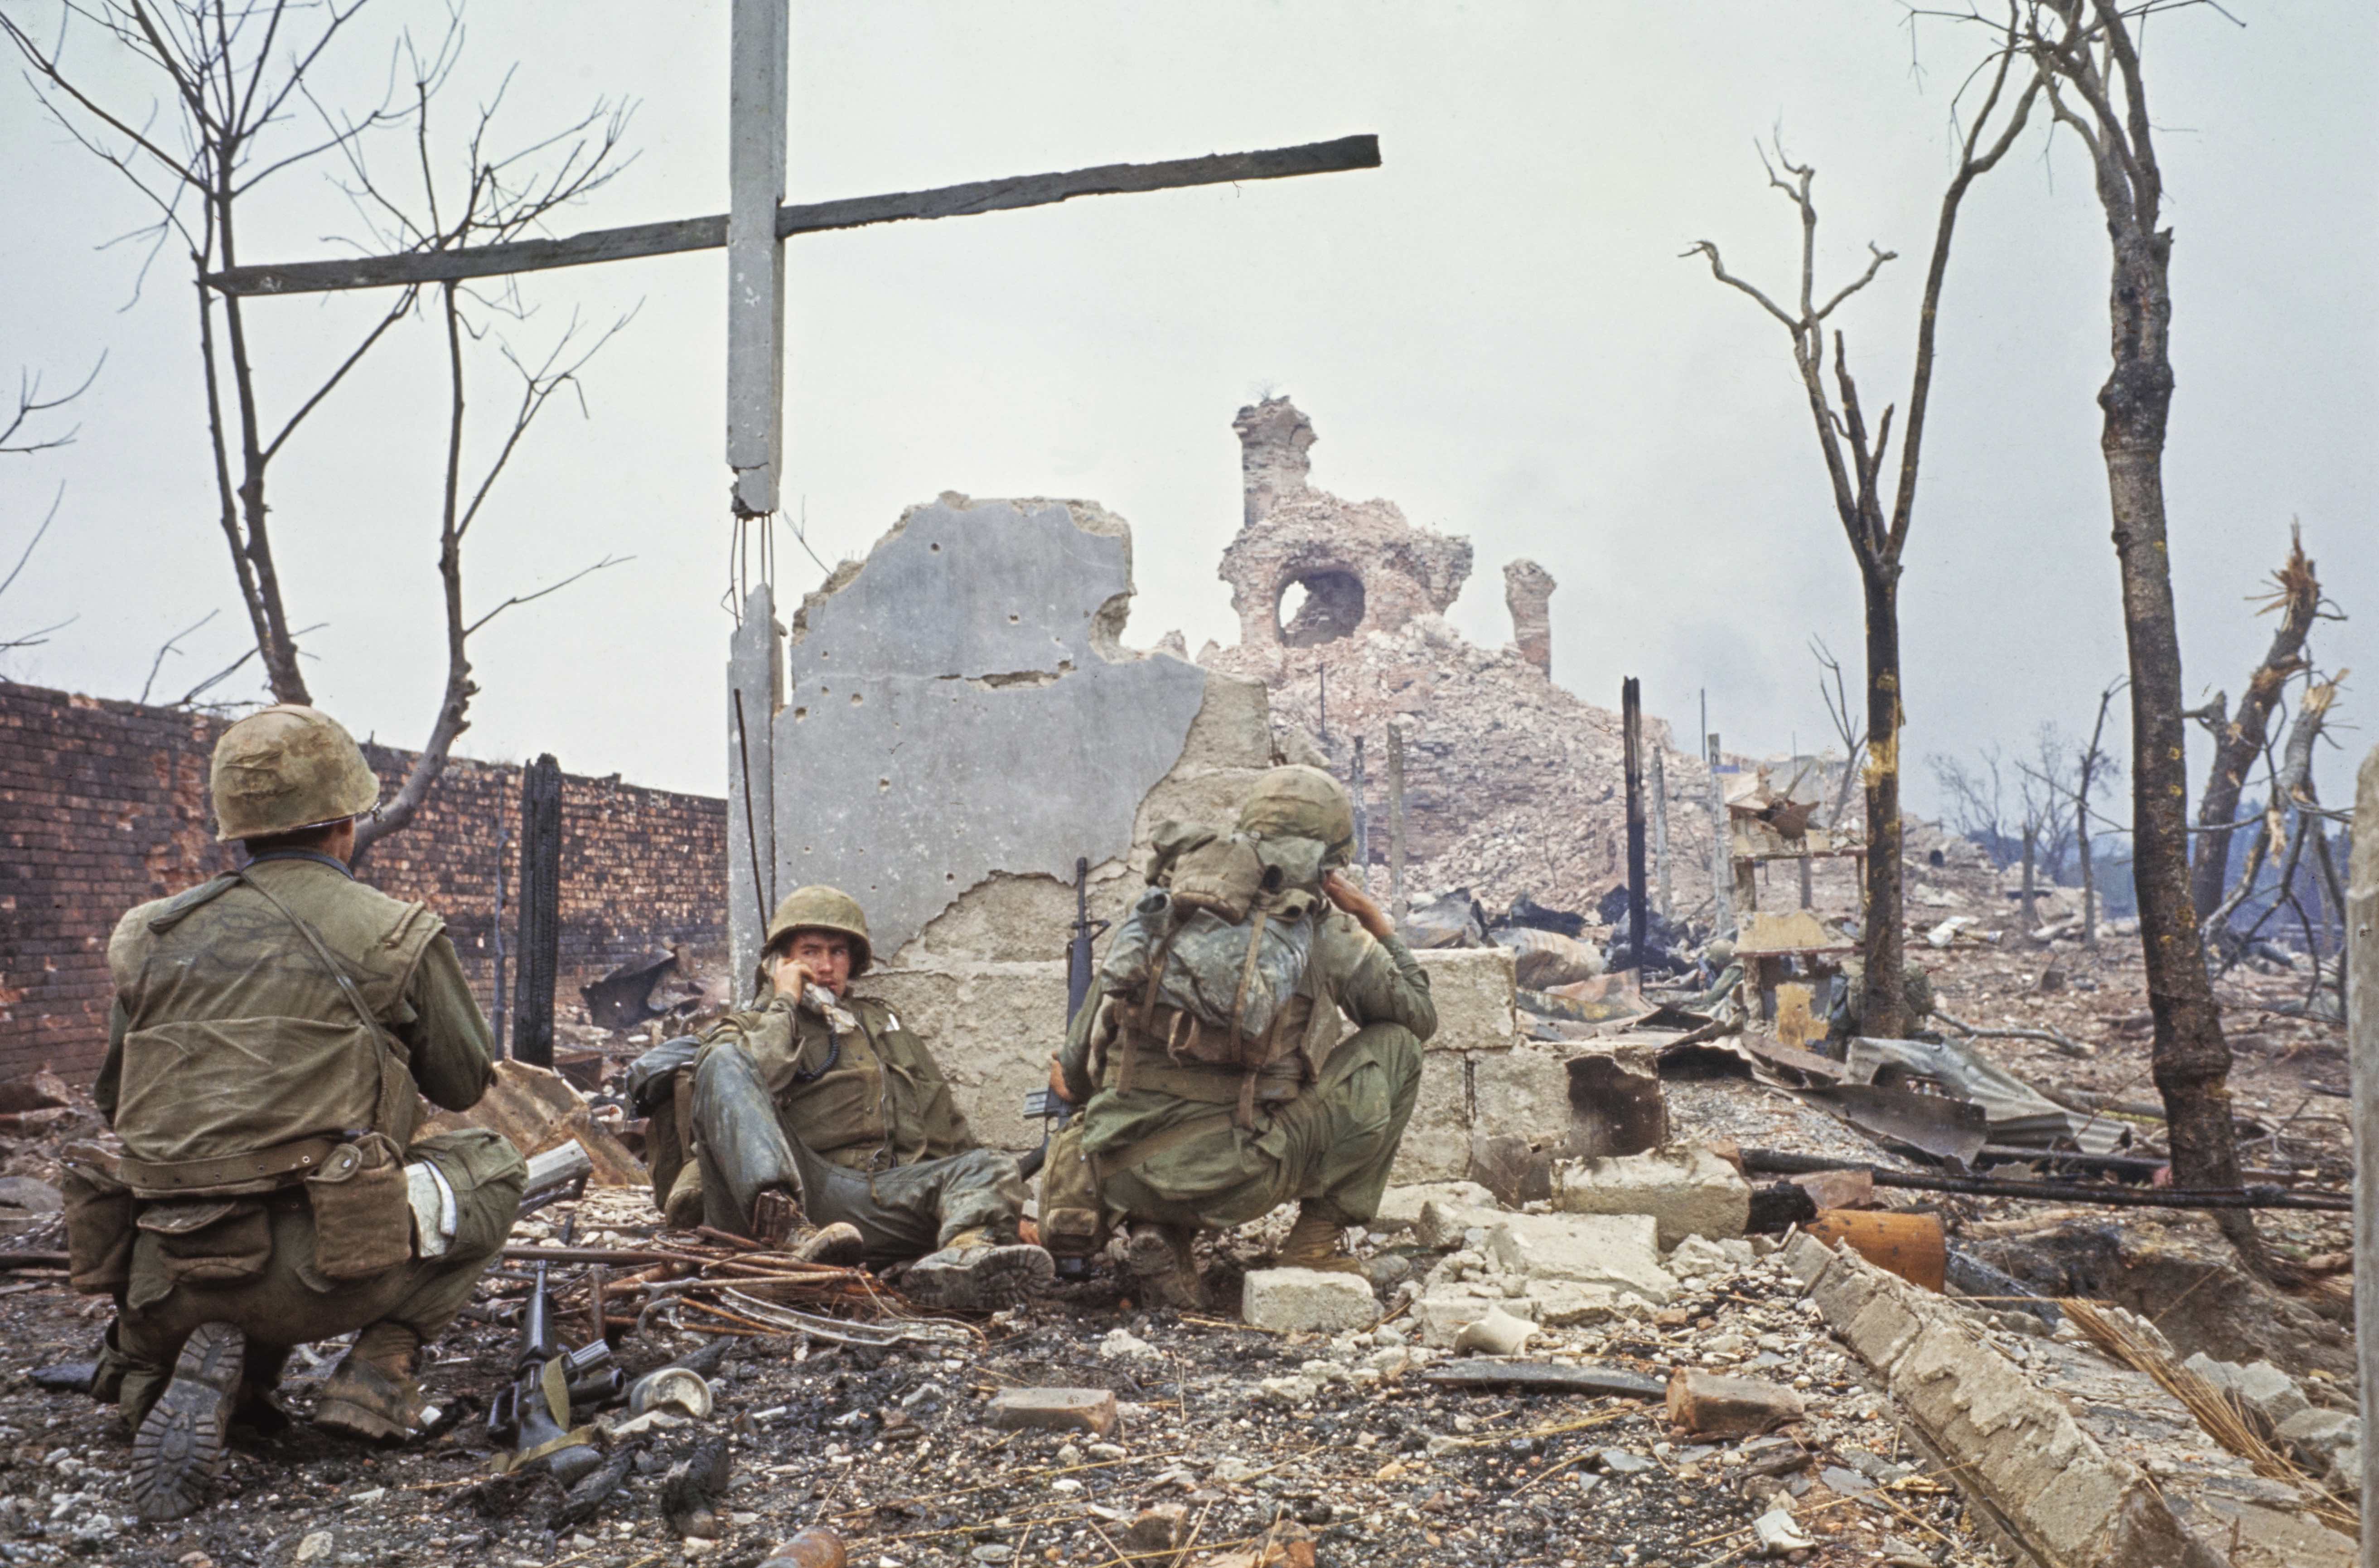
1331	1145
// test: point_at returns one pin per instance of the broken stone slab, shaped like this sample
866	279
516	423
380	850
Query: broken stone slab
1617	1251
1473	990
2259	1385
2318	1437
1713	1406
1400	1206
1686	1187
1441	1316
1307	1302
2068	1498
1089	1410
1699	1255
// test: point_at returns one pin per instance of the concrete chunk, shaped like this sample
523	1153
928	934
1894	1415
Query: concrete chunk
1688	1189
2259	1385
1090	1410
1616	1251
1400	1206
1708	1404
1307	1302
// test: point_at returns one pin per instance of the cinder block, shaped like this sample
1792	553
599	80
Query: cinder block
1474	991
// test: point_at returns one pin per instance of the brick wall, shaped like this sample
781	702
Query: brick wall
103	805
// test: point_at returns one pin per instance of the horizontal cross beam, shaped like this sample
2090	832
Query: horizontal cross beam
710	234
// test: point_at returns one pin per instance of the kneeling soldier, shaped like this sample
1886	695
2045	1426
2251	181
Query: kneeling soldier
815	1108
272	1034
1198	1118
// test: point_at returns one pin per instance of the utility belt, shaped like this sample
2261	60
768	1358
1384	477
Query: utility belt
210	1221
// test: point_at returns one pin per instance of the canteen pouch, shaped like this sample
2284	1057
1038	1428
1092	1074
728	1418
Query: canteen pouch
1072	1220
99	1231
363	1217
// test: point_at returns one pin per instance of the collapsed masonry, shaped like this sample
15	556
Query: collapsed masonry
949	727
1514	785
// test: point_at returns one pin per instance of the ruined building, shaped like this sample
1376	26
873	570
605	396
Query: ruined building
1514	785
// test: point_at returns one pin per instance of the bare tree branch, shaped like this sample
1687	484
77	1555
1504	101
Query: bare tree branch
159	662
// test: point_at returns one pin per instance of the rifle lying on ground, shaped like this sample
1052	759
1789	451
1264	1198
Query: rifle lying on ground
531	1414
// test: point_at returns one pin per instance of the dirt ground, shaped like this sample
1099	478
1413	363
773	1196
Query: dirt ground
1244	1431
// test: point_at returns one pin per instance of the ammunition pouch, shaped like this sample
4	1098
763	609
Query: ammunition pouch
99	1218
1073	1221
209	1241
363	1216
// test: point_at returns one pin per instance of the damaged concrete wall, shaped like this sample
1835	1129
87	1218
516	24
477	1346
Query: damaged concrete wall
1528	595
958	722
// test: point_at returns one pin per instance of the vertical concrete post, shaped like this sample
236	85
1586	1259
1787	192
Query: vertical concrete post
496	933
1660	826
1527	594
1631	722
755	687
2363	1055
759	60
540	911
1396	823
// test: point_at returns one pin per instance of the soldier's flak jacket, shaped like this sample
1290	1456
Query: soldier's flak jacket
859	1091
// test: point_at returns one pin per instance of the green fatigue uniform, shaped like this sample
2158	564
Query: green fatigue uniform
853	1118
1161	1137
233	1051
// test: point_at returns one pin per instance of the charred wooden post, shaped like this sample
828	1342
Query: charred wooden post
496	1024
1396	823
1721	855
1363	823
1660	829
540	911
1631	720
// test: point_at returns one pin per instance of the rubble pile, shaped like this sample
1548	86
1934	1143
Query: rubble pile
1513	786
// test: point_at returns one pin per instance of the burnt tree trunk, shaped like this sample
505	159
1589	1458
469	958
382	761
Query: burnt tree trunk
2240	742
1883	1004
2192	1061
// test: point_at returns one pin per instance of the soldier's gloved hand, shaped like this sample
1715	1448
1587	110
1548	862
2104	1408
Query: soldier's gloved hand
1356	902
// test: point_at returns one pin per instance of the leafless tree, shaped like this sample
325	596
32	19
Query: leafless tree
243	110
1876	526
2045	785
2092	768
2238	739
2086	56
1835	689
25	434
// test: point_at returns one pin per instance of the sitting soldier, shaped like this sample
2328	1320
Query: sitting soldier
1195	1118
814	1119
274	1032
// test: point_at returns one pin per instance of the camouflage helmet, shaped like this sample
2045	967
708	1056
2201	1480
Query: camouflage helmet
820	908
288	767
1302	803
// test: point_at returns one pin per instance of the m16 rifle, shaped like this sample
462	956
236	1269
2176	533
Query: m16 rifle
1080	967
531	1414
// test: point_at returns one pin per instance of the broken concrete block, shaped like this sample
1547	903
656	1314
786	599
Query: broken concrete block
1522	1091
1560	1304
1090	1410
1162	1527
1688	1189
1708	1404
1442	1315
1474	992
1699	1255
1496	1333
2317	1437
1436	1144
1400	1206
1780	1534
1307	1302
1617	1251
1616	1103
2260	1386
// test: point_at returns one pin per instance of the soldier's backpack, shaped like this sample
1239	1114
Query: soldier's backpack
1210	966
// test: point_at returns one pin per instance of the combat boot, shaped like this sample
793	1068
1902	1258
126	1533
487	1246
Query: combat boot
370	1393
180	1447
1161	1259
1317	1241
777	1221
974	1272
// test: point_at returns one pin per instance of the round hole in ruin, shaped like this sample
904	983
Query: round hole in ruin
1319	607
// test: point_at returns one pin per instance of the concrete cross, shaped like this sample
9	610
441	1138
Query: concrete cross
753	228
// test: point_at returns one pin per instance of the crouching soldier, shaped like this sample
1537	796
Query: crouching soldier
813	1117
1209	1051
272	1034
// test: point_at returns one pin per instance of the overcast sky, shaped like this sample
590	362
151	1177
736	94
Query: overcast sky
1494	330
